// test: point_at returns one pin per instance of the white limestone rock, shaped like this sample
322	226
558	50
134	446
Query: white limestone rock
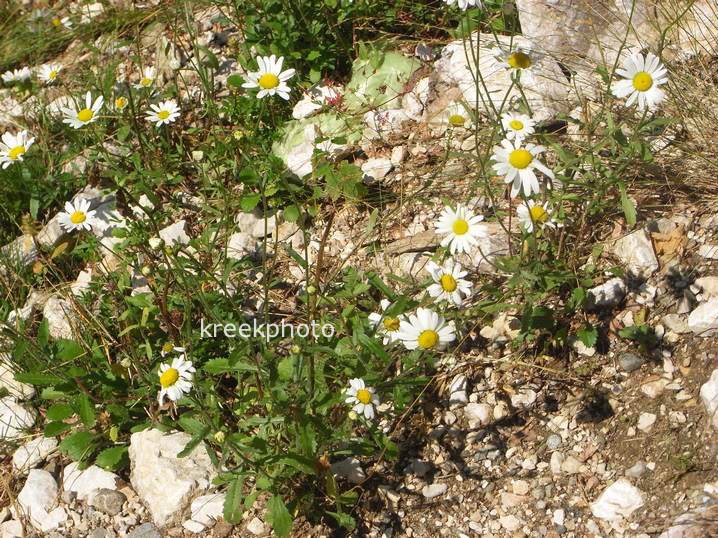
608	294
59	313
635	251
709	397
703	321
16	389
205	511
165	483
84	482
619	500
376	169
350	469
38	501
33	453
15	418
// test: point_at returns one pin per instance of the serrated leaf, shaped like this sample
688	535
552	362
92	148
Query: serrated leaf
629	208
38	378
233	505
77	445
588	336
278	516
53	429
59	411
85	410
112	458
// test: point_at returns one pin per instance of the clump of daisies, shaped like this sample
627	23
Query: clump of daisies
363	399
77	216
163	113
270	79
13	147
517	163
461	228
642	78
175	379
17	75
79	117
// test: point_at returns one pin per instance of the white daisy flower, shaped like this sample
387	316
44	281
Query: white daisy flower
454	116
362	398
387	326
517	164
533	214
79	117
518	127
61	21
121	102
77	216
270	79
464	4
17	75
14	147
48	72
427	330
165	112
175	379
642	77
461	228
449	283
169	347
147	79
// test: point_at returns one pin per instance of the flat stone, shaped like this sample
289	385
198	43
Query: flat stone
33	453
709	397
146	530
646	422
608	294
205	511
38	501
630	362
15	418
350	469
16	389
107	501
617	501
59	313
433	490
376	169
708	251
83	482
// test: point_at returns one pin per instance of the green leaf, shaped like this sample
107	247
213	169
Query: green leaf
235	81
588	336
249	202
373	346
53	429
59	411
221	366
344	520
43	333
629	208
77	445
278	516
291	213
38	378
233	506
113	458
196	440
85	410
68	350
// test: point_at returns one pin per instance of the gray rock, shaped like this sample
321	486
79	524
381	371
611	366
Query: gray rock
350	469
100	533
146	530
553	441
676	323
637	471
433	490
630	362
636	252
107	501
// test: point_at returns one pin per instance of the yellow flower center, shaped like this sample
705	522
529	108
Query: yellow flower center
364	396
56	21
167	347
538	214
460	227
120	102
520	158
52	74
169	378
163	114
428	339
519	60
268	81
448	283
146	82
78	217
85	114
391	324
642	81
516	125
15	152
457	120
